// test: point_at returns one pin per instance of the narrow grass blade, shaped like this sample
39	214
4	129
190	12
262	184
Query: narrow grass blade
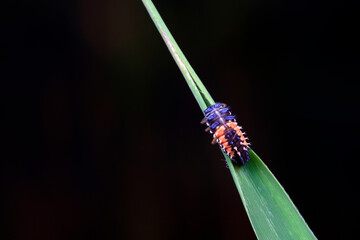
270	210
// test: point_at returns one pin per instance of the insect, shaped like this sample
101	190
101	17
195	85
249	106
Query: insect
222	124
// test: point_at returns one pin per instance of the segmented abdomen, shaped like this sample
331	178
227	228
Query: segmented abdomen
222	124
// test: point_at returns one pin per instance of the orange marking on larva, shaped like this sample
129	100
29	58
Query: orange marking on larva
222	139
219	132
228	149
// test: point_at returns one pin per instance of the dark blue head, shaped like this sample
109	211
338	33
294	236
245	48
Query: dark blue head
213	107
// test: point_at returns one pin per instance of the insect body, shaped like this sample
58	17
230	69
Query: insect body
226	132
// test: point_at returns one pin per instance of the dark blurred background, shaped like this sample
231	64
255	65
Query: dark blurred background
102	137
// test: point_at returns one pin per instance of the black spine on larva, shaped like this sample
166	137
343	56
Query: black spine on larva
244	154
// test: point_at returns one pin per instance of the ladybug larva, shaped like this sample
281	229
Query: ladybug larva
222	124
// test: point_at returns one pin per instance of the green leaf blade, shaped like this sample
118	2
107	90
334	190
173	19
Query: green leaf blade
270	210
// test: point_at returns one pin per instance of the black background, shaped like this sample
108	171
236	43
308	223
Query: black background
101	135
